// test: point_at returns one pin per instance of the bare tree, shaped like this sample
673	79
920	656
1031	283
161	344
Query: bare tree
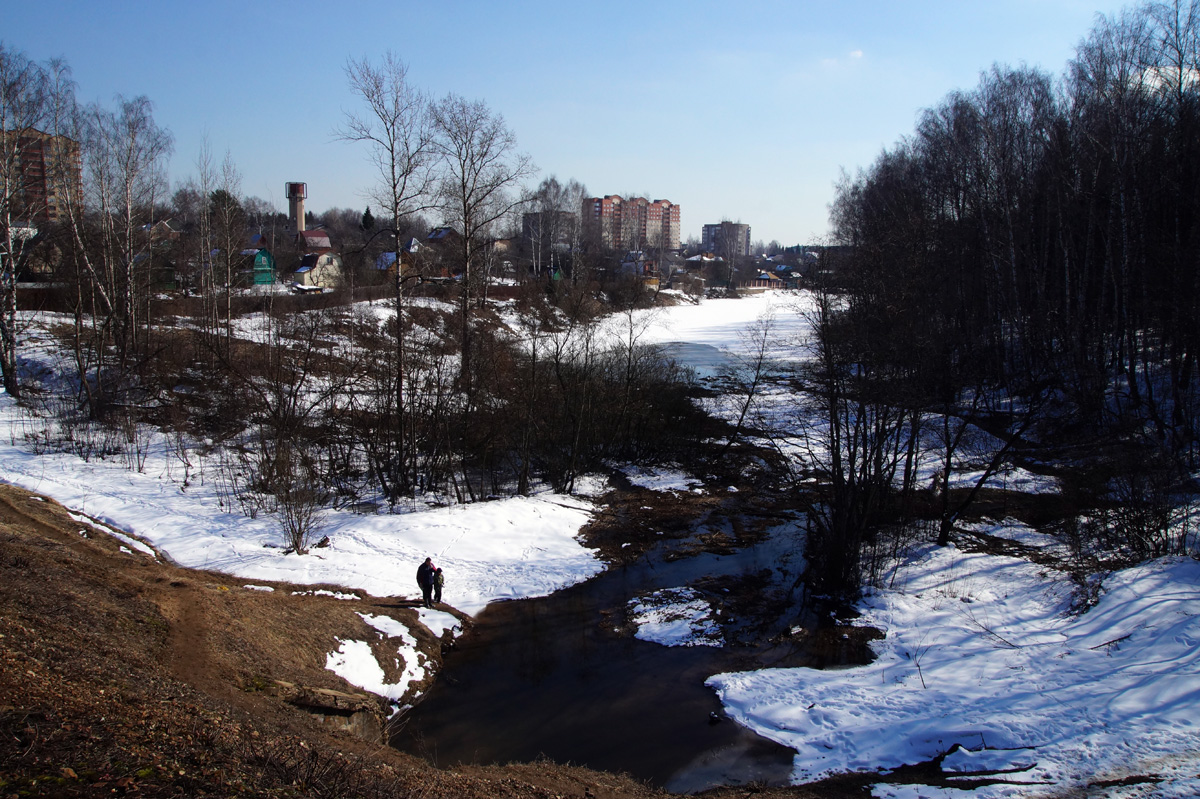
31	97
212	202
481	171
397	127
124	154
553	227
747	372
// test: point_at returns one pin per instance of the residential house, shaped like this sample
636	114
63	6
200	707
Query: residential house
727	238
386	262
641	267
313	241
766	280
320	267
261	271
161	231
318	271
442	260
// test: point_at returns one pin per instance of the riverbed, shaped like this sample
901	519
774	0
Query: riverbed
564	677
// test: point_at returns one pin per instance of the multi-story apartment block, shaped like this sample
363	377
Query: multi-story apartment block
726	238
632	223
46	168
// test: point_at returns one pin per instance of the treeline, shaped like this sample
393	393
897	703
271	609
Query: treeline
1027	261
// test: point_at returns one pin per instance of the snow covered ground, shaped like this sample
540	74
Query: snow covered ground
505	549
356	663
980	650
982	653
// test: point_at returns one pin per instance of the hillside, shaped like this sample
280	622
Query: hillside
125	675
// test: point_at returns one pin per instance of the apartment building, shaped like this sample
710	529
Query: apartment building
726	238
46	168
633	223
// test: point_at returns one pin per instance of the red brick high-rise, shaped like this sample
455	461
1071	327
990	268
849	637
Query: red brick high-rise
633	223
46	168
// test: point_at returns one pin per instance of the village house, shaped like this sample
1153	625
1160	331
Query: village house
409	254
320	267
261	271
318	271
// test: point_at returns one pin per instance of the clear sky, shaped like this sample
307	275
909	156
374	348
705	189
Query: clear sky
735	110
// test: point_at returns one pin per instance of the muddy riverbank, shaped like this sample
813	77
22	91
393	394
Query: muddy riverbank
564	677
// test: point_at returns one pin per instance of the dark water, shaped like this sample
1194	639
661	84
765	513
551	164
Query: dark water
553	677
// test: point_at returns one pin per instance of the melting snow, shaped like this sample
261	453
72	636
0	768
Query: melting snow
675	617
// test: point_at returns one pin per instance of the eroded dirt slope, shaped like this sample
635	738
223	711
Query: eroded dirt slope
121	674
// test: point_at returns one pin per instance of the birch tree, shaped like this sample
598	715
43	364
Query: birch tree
481	173
31	95
124	155
395	123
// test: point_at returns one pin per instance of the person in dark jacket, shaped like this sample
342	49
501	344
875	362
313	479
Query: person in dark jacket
439	580
425	574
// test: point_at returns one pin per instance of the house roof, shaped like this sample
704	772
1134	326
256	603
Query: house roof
169	224
387	259
316	239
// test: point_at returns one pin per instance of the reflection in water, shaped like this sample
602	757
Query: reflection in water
554	677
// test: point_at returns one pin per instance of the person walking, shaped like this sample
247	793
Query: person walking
425	574
439	580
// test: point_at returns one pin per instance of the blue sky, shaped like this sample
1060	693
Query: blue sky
744	111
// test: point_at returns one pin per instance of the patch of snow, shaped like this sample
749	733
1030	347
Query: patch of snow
675	617
266	588
355	661
506	549
130	541
968	760
590	485
325	592
440	622
661	479
389	627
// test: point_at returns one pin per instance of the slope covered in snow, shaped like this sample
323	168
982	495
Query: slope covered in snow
984	659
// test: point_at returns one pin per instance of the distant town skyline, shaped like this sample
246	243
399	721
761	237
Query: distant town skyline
745	113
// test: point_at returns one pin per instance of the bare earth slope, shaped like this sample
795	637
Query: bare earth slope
124	675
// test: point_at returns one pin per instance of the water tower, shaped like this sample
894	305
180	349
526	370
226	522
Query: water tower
296	192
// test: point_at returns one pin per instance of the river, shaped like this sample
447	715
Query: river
563	677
